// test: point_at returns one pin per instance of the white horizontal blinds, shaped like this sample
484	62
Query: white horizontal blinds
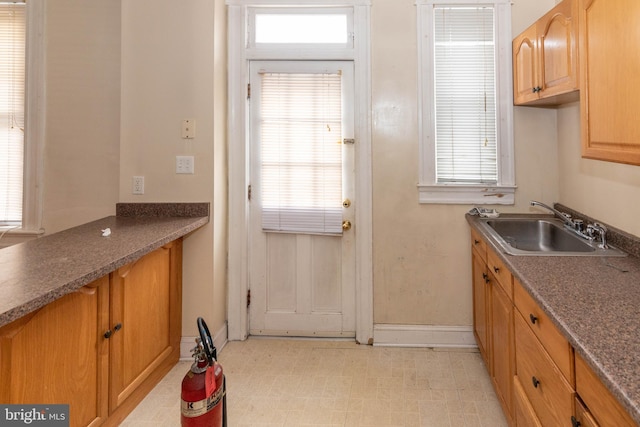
465	95
12	82
301	152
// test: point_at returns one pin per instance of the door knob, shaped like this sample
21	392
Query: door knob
346	225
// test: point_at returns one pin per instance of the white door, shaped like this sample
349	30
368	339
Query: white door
301	249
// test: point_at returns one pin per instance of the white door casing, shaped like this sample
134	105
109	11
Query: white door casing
238	76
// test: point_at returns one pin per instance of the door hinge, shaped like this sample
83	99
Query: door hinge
248	297
349	141
248	90
249	192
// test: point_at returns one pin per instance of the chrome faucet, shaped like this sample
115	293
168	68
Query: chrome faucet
599	230
563	216
592	231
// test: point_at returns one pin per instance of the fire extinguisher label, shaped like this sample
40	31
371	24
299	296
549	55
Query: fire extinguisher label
201	407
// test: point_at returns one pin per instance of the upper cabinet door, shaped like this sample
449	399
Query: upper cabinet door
558	39
609	80
545	58
525	67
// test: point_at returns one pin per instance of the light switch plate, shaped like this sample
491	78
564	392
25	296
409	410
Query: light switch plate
184	164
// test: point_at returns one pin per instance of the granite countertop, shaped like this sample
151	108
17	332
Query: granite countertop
595	303
35	273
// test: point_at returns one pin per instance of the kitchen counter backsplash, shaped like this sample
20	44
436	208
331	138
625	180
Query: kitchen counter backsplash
162	209
616	237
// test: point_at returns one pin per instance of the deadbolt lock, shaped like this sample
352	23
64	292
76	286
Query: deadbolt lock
346	203
346	225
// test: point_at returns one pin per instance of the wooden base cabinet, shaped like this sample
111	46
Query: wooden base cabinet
145	302
493	322
538	378
58	355
102	348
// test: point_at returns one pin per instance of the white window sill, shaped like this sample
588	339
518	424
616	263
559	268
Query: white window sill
10	235
467	194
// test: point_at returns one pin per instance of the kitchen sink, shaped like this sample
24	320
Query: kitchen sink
541	236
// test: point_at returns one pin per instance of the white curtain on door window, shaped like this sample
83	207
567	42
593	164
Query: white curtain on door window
301	152
12	81
465	95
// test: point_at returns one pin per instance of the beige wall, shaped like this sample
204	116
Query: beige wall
606	191
422	260
82	136
173	68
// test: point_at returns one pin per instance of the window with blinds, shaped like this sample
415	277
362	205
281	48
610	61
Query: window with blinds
465	95
467	153
301	152
12	84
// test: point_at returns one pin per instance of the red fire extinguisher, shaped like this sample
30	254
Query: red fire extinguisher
204	400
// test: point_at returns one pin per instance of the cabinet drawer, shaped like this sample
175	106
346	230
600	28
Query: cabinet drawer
525	415
479	245
551	396
603	406
502	273
552	340
583	417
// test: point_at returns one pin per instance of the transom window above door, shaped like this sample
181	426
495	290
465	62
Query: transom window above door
295	26
300	32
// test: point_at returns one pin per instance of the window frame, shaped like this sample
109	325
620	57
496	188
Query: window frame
429	190
35	119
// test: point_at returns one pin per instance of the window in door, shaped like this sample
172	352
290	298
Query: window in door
301	152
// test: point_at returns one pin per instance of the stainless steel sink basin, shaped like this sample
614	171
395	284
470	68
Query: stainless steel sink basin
541	236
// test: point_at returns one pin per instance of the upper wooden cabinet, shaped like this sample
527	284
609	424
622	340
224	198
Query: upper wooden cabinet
545	58
609	79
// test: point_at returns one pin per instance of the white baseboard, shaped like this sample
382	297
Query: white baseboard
423	336
220	339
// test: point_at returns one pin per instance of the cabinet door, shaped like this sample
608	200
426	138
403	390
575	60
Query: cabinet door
481	295
58	355
558	49
609	85
525	66
145	311
502	346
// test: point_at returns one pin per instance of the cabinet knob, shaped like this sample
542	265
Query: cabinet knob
575	422
117	327
535	382
496	269
485	276
533	318
476	242
108	334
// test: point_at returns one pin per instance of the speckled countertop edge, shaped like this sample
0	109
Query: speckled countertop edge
36	273
594	304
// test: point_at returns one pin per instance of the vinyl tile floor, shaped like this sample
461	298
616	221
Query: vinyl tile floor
287	382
